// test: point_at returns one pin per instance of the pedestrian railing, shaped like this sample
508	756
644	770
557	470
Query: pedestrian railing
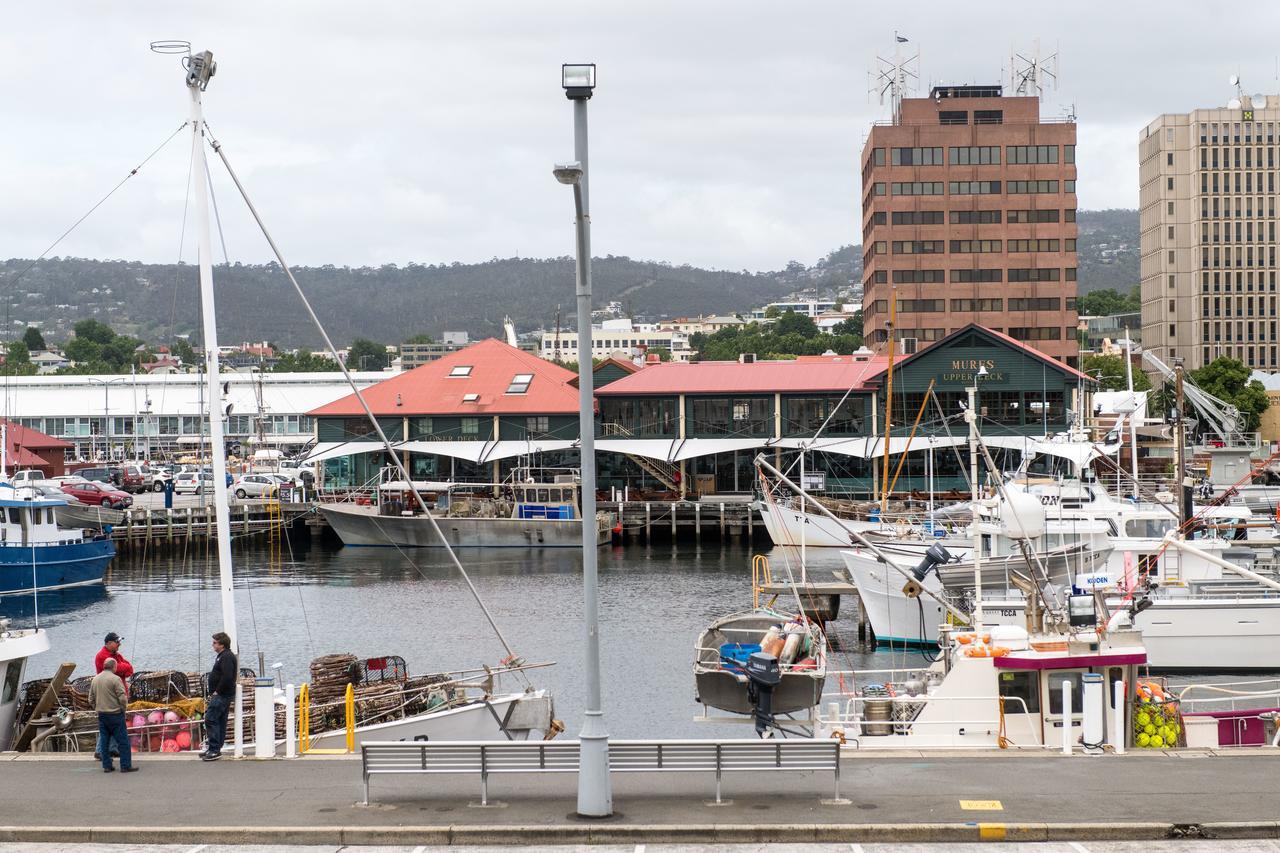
304	723
486	758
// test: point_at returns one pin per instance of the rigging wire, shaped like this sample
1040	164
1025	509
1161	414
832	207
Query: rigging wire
10	284
399	464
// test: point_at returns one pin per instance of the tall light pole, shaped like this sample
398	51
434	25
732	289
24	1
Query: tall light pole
106	418
595	794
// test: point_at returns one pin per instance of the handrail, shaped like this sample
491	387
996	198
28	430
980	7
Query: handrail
760	578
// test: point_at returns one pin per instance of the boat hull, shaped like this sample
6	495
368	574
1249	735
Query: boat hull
476	721
56	566
363	526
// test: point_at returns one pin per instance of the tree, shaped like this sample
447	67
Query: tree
93	331
792	323
182	351
1113	376
420	339
662	353
1228	380
303	361
852	326
1103	303
33	339
366	355
772	312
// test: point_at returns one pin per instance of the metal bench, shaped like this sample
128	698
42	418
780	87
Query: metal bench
625	756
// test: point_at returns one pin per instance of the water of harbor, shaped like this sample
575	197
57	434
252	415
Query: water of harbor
299	601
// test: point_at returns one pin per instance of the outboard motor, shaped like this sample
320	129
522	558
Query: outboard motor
763	674
935	556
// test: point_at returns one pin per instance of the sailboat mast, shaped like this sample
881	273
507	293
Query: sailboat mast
200	69
888	409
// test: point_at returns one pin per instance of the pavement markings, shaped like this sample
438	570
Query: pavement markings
982	805
856	848
991	831
197	848
1078	847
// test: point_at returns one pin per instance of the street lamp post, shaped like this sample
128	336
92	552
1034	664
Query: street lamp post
106	417
595	794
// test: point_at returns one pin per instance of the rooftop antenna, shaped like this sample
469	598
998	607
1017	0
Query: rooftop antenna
896	77
1028	75
1238	101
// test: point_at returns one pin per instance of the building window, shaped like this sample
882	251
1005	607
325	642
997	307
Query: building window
1033	245
1169	159
918	276
975	246
917	157
1034	187
975	217
1020	154
988	116
916	217
953	117
917	188
520	383
537	425
461	371
975	188
919	247
877	156
1067	187
1025	216
470	426
975	155
976	276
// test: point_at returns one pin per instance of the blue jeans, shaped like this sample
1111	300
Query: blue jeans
215	722
111	727
105	744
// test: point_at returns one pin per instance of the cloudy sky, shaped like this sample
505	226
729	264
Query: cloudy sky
725	133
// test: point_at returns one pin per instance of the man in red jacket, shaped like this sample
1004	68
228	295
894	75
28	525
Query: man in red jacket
124	669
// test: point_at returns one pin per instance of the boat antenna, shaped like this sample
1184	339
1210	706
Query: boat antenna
382	436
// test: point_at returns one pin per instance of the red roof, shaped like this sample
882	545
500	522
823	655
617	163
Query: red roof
827	374
430	390
20	436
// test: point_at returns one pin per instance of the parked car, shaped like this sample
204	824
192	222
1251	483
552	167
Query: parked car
98	494
192	482
157	475
256	486
102	474
135	477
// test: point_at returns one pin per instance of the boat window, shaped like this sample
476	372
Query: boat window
11	677
1114	674
1146	527
1020	685
544	495
1056	680
553	496
14	518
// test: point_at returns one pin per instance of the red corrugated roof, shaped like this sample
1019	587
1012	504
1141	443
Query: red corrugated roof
429	389
763	377
20	436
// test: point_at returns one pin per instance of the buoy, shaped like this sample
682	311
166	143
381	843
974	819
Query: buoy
169	745
183	739
137	722
171	716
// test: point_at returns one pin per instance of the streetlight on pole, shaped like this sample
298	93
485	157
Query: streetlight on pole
106	418
595	793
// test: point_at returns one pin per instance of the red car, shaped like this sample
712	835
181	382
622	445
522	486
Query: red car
98	494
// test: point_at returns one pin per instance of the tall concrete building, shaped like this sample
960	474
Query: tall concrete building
969	215
1207	210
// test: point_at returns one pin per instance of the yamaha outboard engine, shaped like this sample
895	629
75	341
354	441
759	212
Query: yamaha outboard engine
763	674
935	556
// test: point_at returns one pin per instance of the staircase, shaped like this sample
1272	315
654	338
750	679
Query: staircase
662	471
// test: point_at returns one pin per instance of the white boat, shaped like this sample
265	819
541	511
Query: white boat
1013	700
528	512
16	648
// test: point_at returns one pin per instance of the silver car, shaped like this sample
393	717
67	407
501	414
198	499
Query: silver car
256	486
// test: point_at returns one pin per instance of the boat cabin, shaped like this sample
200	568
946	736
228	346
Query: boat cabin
31	521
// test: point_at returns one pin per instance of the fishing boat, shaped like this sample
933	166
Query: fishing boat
16	648
996	689
728	654
37	554
534	508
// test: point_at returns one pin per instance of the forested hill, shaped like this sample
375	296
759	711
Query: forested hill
391	303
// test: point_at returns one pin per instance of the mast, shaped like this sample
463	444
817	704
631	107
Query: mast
1133	423
200	68
888	408
971	415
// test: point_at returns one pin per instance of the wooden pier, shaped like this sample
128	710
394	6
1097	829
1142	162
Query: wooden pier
669	520
157	526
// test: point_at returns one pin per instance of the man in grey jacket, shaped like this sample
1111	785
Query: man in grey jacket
106	694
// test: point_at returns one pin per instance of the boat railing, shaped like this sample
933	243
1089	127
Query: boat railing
1229	695
903	718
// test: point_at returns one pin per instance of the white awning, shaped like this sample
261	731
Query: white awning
692	448
508	449
333	449
472	451
652	448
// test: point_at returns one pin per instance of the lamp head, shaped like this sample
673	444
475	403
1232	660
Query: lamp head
200	67
982	370
578	80
568	173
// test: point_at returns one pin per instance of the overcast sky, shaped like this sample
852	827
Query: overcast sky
724	133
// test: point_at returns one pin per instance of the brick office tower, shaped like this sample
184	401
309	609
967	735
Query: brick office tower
969	215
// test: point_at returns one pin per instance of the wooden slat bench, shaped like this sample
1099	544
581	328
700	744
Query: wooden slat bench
625	756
